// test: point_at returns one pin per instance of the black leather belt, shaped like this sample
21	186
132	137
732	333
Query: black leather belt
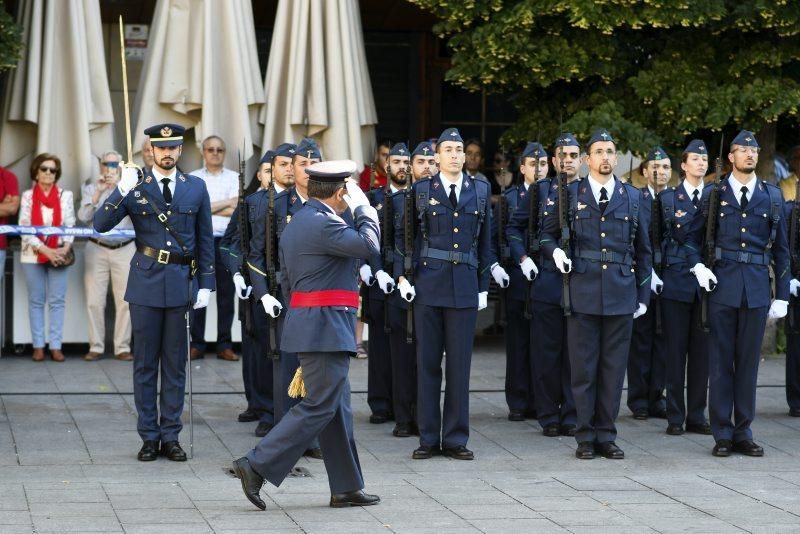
605	256
112	246
165	256
741	256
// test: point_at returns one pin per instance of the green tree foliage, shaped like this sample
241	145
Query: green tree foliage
10	42
649	70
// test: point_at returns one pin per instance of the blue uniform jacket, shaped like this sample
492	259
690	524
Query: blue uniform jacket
744	235
547	285
378	200
611	256
459	235
398	207
319	251
518	284
677	212
156	284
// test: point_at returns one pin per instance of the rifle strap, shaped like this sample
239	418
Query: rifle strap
776	211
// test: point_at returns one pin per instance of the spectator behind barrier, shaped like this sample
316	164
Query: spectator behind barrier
9	206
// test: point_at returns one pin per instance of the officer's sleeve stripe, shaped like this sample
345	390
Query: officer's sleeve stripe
645	281
253	267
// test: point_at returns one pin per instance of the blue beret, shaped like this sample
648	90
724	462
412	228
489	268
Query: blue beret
656	153
268	156
400	149
308	149
566	139
450	134
423	149
164	135
599	136
745	138
333	171
534	150
287	150
696	146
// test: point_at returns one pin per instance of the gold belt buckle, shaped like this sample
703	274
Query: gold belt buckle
163	256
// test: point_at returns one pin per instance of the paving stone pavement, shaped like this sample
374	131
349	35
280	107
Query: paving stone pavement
67	464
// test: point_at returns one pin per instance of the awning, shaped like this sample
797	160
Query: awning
57	99
201	70
317	83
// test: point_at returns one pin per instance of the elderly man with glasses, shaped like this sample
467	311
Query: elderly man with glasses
107	259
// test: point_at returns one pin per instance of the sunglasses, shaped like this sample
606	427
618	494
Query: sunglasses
216	150
45	168
111	164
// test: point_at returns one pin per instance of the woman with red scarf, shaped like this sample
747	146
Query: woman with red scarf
45	259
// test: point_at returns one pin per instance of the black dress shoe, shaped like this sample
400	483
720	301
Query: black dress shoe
314	452
609	450
148	452
173	451
567	430
423	452
379	418
658	414
353	498
402	430
722	448
748	448
262	429
794	412
516	415
701	428
675	430
248	416
251	482
585	451
640	414
459	452
551	430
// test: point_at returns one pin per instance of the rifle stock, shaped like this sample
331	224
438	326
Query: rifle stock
272	279
408	251
564	238
244	235
658	258
709	243
794	255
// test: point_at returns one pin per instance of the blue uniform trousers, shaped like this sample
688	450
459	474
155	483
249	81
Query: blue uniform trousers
450	330
404	368
734	351
793	363
686	362
283	370
646	365
225	307
550	365
160	335
598	354
325	411
256	365
519	387
379	364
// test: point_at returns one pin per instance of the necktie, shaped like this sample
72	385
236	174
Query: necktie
166	191
452	195
603	199
743	200
695	198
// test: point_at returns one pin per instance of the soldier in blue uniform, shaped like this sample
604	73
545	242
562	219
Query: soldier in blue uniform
171	214
452	257
555	406
750	236
256	365
646	365
423	162
609	287
685	343
792	328
320	255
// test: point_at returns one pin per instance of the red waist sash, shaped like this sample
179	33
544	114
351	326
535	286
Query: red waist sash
325	297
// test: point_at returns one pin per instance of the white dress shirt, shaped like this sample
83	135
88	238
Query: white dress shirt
736	186
596	186
170	184
447	183
223	185
690	189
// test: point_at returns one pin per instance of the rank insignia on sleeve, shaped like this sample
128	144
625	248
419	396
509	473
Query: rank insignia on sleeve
433	202
581	206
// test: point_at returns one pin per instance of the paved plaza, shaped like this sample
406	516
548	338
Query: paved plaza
68	463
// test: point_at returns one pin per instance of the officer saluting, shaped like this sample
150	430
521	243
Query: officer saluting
171	215
749	236
608	292
320	255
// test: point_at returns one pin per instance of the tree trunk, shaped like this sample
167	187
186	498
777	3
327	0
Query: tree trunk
766	157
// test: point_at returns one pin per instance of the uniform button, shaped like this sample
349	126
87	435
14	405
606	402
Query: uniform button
455	214
455	230
346	308
743	245
477	213
764	215
602	234
545	213
605	266
626	218
455	245
169	243
633	270
677	226
722	215
424	263
744	215
602	219
744	229
169	212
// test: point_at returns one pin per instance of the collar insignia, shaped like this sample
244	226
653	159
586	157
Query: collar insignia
680	196
148	179
466	185
183	178
436	185
622	190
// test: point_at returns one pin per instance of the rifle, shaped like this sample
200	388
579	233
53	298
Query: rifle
388	243
565	237
533	229
408	251
709	244
505	252
244	246
655	242
794	255
272	278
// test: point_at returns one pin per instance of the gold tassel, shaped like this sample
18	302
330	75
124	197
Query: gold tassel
297	388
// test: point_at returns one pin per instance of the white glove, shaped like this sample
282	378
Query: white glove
500	275
355	197
778	309
529	269
130	177
794	285
407	291
365	272
563	263
385	282
483	300
656	284
203	296
704	277
641	310
242	289
271	305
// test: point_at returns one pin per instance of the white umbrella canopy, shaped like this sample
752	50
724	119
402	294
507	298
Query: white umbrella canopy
317	82
201	70
57	99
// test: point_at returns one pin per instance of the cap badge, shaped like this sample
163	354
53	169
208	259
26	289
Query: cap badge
166	131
